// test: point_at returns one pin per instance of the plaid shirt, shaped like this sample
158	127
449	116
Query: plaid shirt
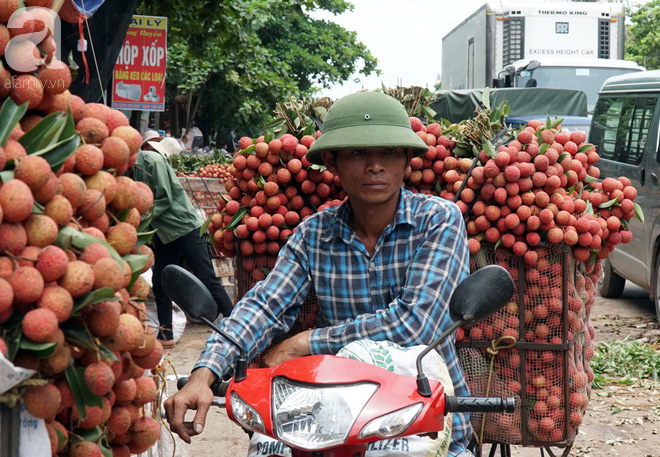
400	293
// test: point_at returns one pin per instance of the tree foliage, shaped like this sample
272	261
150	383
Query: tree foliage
643	35
235	59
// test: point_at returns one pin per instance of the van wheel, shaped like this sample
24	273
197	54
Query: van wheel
610	284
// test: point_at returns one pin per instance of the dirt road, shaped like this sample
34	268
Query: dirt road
622	420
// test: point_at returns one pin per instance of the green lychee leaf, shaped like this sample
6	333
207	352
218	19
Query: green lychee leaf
144	237
585	147
44	134
204	227
146	221
79	336
105	447
609	203
6	175
544	147
136	262
92	434
639	213
68	237
81	394
10	114
236	220
93	296
57	153
39	350
589	179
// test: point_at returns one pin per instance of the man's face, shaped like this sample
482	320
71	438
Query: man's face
371	176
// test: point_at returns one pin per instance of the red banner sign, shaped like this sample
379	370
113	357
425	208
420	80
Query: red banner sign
139	74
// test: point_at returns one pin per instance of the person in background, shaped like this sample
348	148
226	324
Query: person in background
178	234
383	264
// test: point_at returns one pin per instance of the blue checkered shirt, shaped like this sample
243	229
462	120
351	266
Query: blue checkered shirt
399	294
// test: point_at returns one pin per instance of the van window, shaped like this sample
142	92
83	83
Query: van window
621	125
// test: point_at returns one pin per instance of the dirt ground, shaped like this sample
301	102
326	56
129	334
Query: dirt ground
621	420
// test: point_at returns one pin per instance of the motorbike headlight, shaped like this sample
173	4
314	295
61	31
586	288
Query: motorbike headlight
391	424
245	414
315	417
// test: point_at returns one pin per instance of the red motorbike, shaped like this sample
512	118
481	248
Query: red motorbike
329	406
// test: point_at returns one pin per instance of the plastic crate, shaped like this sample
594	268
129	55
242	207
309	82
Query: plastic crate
204	194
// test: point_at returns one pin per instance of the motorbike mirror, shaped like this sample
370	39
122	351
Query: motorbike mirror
476	297
195	299
188	292
481	294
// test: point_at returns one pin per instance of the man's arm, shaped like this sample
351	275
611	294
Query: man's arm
162	188
267	310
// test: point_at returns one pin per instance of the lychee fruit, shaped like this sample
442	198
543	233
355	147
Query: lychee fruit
127	194
140	289
33	171
28	285
51	263
119	421
41	230
16	200
14	150
89	159
145	390
131	137
125	391
94	252
45	193
93	205
85	448
39	325
12	237
105	183
58	300
144	432
73	188
6	300
92	130
42	402
27	89
78	278
59	209
115	152
122	237
145	198
108	273
152	359
55	77
99	378
116	119
102	318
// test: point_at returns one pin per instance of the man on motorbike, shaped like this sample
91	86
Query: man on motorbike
383	264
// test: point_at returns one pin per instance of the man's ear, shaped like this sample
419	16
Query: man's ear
329	161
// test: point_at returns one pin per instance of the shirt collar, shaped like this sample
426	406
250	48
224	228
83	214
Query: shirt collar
340	227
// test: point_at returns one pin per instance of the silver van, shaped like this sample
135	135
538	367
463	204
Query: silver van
625	131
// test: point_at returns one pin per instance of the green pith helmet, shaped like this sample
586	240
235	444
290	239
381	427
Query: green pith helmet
366	120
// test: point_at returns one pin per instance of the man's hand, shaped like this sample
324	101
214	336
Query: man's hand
292	348
197	395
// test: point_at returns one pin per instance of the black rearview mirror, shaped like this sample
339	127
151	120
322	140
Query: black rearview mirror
188	292
481	294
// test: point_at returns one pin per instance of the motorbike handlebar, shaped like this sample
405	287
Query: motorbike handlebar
479	404
219	387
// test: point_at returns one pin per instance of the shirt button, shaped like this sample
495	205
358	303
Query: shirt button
372	264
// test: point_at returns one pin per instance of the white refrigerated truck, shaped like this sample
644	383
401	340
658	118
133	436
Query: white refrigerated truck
571	45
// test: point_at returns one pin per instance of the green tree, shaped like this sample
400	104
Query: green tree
643	35
231	61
